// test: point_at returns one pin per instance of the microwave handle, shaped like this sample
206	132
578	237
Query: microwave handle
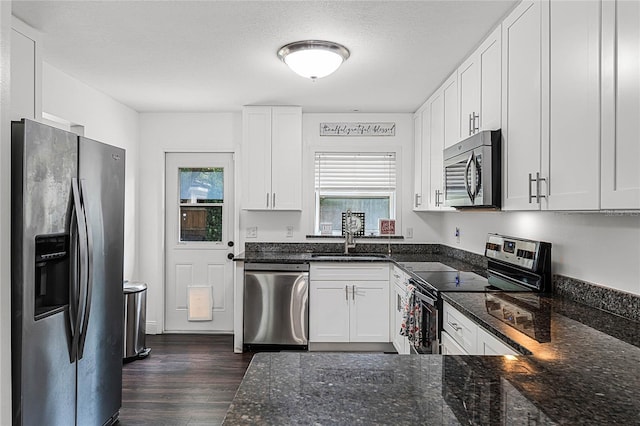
467	186
479	176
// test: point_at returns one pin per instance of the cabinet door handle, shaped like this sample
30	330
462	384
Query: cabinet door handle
418	200
273	201
537	180
476	127
353	295
267	200
470	117
346	292
438	193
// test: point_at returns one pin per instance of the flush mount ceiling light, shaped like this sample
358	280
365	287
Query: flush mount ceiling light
313	58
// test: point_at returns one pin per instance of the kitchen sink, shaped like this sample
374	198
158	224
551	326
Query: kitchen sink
348	256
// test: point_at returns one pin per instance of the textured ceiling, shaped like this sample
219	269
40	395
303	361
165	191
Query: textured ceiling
220	55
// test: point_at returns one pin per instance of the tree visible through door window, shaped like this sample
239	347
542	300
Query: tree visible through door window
201	203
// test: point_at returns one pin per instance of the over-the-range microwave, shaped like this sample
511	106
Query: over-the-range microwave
472	172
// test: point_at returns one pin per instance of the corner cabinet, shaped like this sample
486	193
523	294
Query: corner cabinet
348	303
272	158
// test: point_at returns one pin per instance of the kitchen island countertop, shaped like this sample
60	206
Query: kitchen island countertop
584	368
582	375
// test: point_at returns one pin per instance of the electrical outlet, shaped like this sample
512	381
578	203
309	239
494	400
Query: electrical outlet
252	232
457	235
409	232
289	231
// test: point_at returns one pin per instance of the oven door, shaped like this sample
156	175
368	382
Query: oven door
429	327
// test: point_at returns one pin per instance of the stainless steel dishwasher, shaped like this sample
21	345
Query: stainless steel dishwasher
276	304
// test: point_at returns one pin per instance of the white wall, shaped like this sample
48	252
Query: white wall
5	215
272	225
106	120
602	248
161	133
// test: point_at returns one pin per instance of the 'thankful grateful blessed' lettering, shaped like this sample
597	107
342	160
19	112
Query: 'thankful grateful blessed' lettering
357	129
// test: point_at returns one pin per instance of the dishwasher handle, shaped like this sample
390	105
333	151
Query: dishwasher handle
276	267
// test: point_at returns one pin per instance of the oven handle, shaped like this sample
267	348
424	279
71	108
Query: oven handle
423	297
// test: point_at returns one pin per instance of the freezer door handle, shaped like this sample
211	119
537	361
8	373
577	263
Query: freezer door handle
79	267
89	275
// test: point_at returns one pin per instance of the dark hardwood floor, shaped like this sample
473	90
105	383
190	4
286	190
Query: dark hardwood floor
186	380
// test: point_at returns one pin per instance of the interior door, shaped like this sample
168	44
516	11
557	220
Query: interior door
199	226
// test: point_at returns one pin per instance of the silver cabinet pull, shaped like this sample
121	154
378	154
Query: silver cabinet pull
537	180
346	292
476	126
470	125
273	201
438	202
455	326
531	180
353	295
538	191
418	200
267	200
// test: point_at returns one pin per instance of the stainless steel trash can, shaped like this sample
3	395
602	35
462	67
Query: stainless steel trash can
135	308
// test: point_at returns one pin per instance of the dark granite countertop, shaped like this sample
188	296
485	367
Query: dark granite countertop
582	367
577	374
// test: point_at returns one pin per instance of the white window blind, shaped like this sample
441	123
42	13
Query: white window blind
355	171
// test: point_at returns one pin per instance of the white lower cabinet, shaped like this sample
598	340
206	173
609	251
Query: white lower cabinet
462	336
349	303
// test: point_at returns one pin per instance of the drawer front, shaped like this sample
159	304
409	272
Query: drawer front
356	271
488	344
450	346
460	328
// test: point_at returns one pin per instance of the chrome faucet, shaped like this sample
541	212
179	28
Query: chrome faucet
349	240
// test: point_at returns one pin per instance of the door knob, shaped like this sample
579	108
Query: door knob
230	256
230	243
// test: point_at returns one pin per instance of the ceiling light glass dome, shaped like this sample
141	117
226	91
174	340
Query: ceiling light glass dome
313	58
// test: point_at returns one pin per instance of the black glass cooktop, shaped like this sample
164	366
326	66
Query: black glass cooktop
458	281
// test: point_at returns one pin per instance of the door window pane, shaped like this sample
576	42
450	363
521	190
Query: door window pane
201	223
202	185
201	204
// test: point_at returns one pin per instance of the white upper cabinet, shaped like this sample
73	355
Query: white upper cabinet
26	72
436	122
572	159
479	88
442	127
524	57
418	196
621	105
551	99
272	158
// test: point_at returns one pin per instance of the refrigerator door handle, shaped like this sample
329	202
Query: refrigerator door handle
80	272
89	273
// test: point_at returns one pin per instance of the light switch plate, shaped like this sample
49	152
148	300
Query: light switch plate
409	233
289	231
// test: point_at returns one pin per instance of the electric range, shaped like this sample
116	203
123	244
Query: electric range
513	265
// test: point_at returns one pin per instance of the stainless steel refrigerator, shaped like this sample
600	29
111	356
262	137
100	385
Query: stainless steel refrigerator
67	272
